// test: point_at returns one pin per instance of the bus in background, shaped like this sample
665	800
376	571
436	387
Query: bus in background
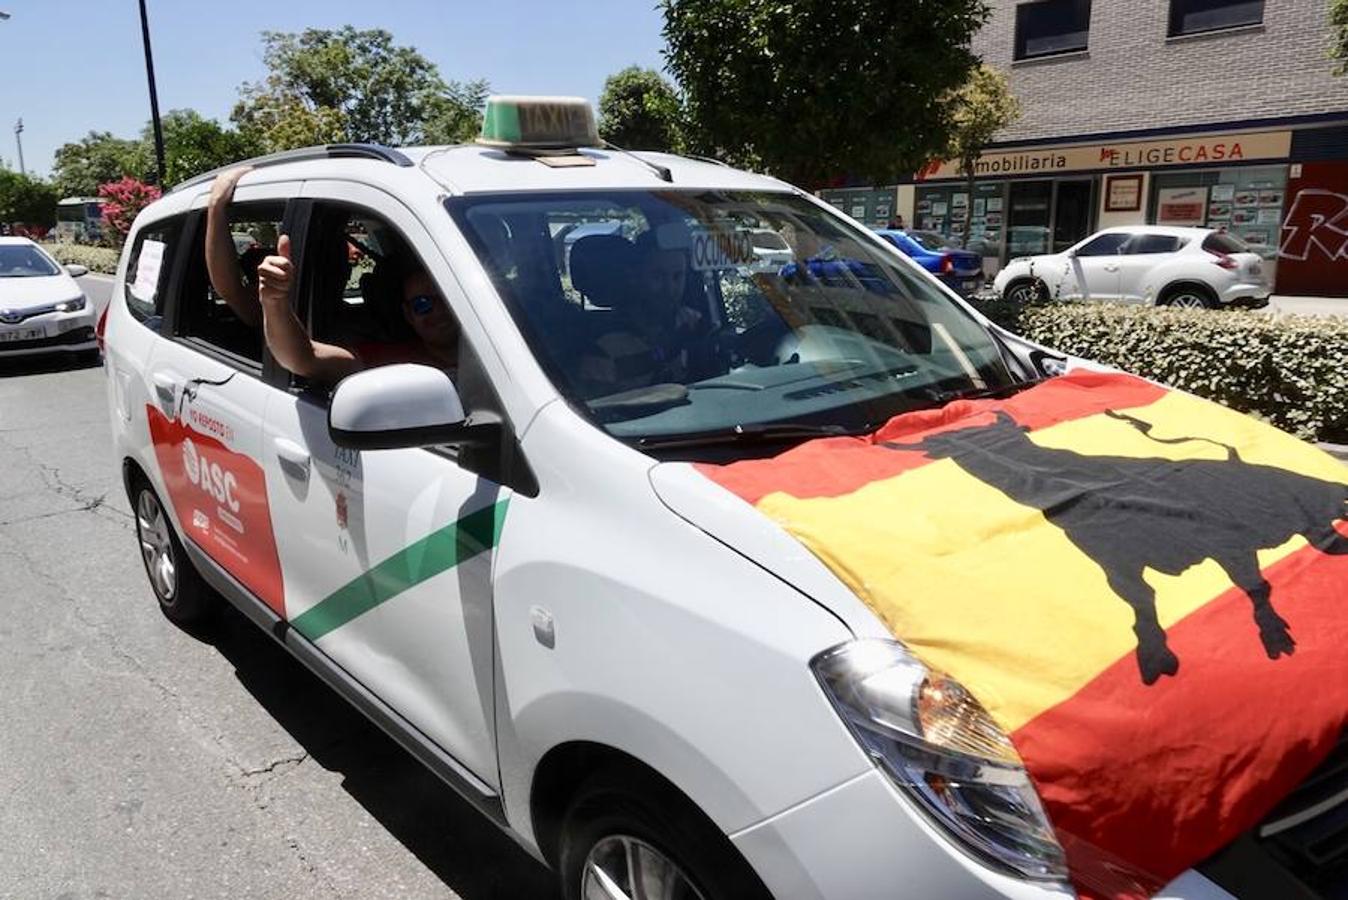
79	219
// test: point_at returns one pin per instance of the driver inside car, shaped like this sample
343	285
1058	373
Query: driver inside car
656	336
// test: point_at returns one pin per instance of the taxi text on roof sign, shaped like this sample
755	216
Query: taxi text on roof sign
539	123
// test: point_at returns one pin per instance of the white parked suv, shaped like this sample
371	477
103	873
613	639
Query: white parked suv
1151	264
714	580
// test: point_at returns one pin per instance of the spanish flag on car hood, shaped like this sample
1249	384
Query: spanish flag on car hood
1146	591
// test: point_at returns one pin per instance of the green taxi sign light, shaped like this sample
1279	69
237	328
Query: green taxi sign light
539	123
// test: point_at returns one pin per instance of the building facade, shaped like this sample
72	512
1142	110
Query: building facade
1224	113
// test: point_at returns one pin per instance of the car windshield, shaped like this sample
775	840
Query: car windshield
23	261
666	322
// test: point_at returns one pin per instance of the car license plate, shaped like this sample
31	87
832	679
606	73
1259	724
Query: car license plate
23	334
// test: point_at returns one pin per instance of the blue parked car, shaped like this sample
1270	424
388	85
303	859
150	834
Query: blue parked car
961	270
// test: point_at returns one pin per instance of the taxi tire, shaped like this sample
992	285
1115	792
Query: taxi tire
630	803
192	601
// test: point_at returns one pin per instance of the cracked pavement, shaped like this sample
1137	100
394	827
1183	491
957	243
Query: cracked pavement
138	760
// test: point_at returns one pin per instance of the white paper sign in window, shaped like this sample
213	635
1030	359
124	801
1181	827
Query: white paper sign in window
150	261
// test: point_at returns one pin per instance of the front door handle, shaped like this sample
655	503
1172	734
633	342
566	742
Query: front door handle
1111	268
294	458
166	389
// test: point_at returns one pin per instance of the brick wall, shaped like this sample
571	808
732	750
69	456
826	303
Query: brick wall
1133	77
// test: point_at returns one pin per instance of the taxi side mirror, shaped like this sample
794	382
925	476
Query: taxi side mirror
396	406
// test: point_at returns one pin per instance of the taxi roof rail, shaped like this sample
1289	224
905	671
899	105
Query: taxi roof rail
323	151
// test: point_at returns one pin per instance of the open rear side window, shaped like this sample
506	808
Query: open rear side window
203	314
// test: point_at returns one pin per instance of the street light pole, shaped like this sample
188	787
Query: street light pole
154	97
18	126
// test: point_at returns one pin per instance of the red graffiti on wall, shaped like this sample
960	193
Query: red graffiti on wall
1316	219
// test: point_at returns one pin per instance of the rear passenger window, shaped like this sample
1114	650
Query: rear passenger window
147	271
1152	243
203	314
1224	243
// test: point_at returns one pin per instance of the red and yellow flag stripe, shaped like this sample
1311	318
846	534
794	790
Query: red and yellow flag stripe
1141	781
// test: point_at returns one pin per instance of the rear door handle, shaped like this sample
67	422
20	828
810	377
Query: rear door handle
166	389
294	458
1111	268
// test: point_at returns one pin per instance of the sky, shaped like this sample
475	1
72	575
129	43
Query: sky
75	66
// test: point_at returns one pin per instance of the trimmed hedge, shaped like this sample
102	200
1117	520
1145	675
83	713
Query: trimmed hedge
1291	371
96	259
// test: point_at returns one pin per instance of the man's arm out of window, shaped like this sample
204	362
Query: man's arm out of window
222	261
286	338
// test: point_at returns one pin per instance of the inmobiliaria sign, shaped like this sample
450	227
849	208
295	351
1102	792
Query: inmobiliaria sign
1206	149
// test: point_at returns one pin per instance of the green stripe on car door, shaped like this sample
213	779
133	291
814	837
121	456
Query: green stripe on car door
438	552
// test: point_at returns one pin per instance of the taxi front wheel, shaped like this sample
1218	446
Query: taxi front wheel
183	596
627	837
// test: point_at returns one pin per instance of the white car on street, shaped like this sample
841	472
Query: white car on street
1151	264
42	307
710	580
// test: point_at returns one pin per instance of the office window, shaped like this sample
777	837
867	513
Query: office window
1196	16
1049	27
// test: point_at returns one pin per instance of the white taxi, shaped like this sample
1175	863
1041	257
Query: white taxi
705	577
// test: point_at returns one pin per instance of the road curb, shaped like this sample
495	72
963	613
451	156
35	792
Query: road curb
99	276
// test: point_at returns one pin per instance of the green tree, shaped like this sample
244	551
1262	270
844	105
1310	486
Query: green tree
980	108
820	88
639	110
455	115
26	200
81	166
1338	25
347	84
275	119
194	144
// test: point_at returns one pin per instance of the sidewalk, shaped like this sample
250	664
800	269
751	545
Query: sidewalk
1338	450
1280	304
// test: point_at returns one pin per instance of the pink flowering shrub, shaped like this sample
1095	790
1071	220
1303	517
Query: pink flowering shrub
122	200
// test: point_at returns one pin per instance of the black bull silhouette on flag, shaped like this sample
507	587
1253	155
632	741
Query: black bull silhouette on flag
1128	514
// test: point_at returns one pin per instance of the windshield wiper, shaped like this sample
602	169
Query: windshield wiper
1004	390
753	433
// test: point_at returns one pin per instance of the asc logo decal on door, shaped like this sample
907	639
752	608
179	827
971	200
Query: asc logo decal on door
220	497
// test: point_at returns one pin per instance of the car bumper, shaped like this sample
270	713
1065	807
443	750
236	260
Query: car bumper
49	333
862	839
1250	294
964	285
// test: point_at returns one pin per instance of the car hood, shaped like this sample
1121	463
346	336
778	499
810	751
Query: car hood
1136	584
21	294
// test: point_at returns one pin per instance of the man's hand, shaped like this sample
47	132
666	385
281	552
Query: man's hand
274	277
222	189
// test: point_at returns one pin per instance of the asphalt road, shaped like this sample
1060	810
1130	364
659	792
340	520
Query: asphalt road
137	760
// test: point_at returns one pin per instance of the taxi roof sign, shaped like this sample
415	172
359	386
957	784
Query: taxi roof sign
539	123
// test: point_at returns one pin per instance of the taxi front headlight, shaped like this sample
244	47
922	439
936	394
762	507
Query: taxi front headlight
73	305
938	744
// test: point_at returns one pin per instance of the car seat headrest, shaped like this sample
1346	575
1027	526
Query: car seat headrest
601	268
